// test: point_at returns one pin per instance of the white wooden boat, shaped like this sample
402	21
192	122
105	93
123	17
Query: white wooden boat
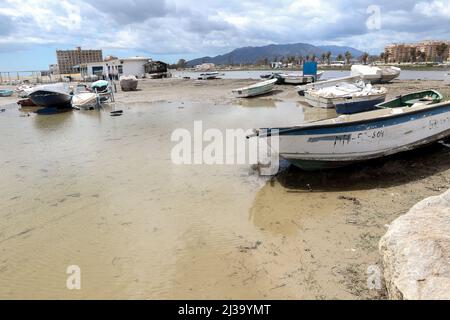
346	97
255	89
297	79
209	75
128	83
85	100
353	138
375	74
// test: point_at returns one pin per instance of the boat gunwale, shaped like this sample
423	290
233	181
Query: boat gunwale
313	126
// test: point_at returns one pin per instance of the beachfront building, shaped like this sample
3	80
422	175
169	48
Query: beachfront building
70	60
115	67
425	51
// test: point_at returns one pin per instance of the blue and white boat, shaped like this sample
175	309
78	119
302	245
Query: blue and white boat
346	98
6	93
358	137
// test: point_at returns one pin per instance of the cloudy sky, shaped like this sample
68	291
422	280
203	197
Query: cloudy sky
31	30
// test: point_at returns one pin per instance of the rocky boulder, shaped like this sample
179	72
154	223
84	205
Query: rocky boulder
416	251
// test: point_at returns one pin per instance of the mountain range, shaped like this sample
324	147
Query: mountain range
250	55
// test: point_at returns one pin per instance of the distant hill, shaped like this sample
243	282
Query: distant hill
250	55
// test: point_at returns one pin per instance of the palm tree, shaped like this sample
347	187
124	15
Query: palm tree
364	57
382	56
313	58
422	56
340	57
348	57
441	50
308	57
328	56
323	56
413	54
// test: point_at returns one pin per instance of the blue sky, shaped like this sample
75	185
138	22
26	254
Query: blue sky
31	30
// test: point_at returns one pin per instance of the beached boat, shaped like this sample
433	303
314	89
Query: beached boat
51	95
209	75
255	89
128	83
100	86
298	78
347	98
395	126
375	74
6	93
85	100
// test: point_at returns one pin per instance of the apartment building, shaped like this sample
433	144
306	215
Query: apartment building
70	60
425	51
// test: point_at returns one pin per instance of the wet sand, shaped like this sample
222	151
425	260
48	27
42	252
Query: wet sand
83	188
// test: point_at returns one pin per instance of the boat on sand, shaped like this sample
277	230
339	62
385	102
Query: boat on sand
375	74
255	89
6	93
51	95
347	98
394	126
85	100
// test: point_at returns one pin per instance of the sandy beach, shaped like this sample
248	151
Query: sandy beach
83	188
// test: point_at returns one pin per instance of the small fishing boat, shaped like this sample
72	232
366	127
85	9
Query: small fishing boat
85	100
375	74
100	86
389	73
298	78
6	93
209	75
347	98
255	89
51	95
395	126
128	83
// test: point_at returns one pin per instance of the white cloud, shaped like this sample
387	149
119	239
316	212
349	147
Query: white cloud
178	27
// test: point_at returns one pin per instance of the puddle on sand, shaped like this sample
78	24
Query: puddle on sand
83	188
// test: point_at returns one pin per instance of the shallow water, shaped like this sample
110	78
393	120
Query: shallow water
329	74
84	188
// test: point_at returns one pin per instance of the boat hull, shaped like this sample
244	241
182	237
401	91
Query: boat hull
255	90
331	146
51	99
358	106
346	105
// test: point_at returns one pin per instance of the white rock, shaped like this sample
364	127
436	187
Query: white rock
416	251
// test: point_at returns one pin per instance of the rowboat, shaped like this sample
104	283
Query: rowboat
6	93
255	89
375	74
100	86
395	126
209	75
347	98
51	95
297	79
128	83
85	100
